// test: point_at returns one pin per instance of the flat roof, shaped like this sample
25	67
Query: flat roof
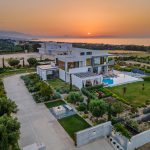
86	74
47	67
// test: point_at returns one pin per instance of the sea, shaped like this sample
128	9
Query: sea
117	41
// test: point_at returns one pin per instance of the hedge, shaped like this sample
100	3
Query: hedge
147	78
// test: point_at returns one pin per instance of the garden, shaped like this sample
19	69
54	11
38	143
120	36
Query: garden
54	103
40	90
73	124
102	105
61	86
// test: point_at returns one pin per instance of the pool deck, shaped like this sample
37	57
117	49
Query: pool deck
123	79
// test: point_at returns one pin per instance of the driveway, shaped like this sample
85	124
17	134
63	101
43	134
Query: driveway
38	124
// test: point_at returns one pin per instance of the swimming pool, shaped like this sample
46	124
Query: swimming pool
108	81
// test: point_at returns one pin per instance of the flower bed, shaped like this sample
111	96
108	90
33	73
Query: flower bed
40	90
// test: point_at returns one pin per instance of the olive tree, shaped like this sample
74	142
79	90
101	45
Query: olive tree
13	62
32	61
98	107
74	97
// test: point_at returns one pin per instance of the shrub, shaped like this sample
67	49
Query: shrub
74	97
13	62
88	94
121	128
82	107
98	107
147	78
56	95
32	61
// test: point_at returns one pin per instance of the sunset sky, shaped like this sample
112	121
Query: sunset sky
76	17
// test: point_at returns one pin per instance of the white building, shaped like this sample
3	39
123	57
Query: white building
77	65
82	66
55	48
44	70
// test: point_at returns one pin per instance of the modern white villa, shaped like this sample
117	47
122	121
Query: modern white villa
83	66
77	65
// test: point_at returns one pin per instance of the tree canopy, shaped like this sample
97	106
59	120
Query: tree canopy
98	107
32	61
74	97
7	106
9	132
13	62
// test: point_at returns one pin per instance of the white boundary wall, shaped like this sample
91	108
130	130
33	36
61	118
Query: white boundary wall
62	75
139	140
93	133
77	81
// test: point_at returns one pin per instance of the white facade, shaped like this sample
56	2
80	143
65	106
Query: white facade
83	61
81	82
44	70
71	61
54	48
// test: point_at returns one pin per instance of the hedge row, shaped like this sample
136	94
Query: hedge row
147	78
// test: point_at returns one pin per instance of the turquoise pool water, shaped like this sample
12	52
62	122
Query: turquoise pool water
108	81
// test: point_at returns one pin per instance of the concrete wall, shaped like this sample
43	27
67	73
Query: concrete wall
139	140
77	81
62	75
93	133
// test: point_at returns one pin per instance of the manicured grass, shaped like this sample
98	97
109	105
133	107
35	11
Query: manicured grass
16	71
54	103
57	83
73	124
61	86
134	93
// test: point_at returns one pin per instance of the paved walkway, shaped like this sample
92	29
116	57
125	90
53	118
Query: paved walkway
38	124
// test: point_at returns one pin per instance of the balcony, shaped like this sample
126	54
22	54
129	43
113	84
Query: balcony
78	70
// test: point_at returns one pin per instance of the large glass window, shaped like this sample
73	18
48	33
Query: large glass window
96	61
88	53
82	53
61	64
88	62
73	65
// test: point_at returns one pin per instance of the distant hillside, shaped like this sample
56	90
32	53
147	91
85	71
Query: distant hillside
15	35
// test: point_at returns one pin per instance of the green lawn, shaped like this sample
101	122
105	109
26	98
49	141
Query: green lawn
134	94
73	124
61	86
16	71
57	83
54	103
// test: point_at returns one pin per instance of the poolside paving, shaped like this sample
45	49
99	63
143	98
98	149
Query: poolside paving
38	124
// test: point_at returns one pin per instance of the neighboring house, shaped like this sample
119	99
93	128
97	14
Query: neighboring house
55	48
83	66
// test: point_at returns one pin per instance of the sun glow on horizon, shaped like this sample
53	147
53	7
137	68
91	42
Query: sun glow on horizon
76	18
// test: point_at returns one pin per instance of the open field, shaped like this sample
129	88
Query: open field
134	93
54	103
130	53
73	124
22	55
